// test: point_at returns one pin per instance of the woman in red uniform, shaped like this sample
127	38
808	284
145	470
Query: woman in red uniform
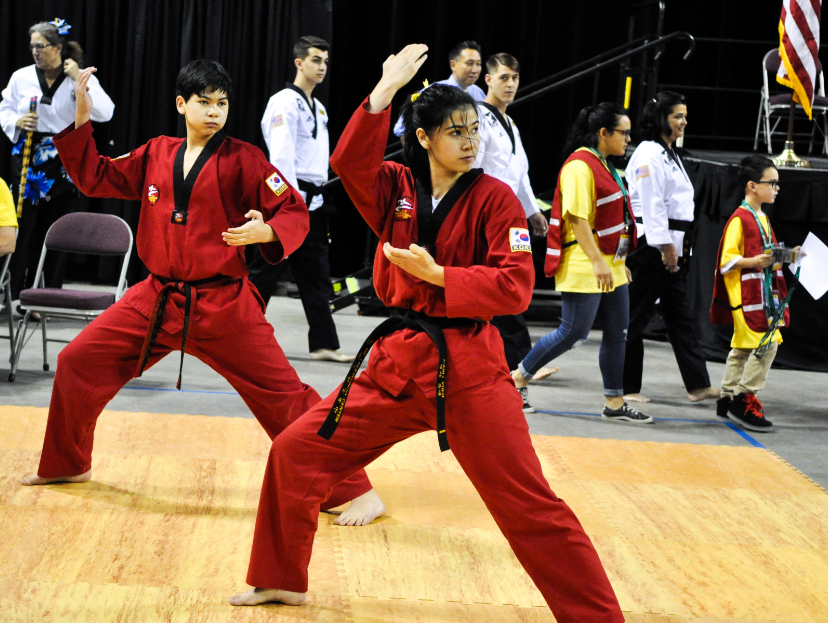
202	199
453	252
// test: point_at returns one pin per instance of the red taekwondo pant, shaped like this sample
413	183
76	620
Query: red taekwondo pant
104	357
489	436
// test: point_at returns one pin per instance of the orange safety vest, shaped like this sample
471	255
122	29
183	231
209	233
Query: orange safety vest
610	204
752	281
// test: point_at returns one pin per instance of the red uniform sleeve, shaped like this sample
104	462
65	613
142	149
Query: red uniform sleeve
502	285
96	175
358	161
281	206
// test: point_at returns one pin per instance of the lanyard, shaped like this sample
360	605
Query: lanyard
611	168
770	307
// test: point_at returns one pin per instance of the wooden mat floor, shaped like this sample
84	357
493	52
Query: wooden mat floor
686	532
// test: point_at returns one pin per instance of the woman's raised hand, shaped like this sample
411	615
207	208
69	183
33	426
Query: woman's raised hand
83	100
397	71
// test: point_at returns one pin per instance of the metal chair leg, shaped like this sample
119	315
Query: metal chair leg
18	345
45	341
12	334
758	123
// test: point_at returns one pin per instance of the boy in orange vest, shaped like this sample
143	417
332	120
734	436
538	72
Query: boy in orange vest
747	292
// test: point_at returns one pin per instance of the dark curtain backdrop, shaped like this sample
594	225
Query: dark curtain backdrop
139	45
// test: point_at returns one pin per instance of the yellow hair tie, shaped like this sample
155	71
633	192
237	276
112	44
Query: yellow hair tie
416	95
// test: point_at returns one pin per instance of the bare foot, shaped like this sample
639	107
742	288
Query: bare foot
636	398
518	378
256	596
543	373
704	393
34	479
362	511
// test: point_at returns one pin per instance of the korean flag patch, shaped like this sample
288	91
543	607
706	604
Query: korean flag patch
277	185
519	239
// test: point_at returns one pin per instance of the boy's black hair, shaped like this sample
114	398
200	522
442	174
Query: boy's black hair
507	60
430	110
751	169
202	76
588	124
303	44
457	50
653	122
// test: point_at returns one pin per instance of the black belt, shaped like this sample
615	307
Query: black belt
311	190
416	321
157	316
673	224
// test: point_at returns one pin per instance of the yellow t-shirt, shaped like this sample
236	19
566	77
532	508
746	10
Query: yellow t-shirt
575	273
733	248
8	212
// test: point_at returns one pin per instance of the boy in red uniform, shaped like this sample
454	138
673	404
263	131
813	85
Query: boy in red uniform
453	253
746	283
197	195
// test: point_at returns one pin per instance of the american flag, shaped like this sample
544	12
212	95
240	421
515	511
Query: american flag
799	49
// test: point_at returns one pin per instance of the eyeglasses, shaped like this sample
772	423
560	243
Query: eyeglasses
626	133
772	183
39	46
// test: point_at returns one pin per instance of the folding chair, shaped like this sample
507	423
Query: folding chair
779	105
79	232
6	300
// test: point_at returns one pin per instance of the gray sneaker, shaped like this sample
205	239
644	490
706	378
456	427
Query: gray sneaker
524	393
626	414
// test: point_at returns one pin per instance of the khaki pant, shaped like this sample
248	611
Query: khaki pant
745	373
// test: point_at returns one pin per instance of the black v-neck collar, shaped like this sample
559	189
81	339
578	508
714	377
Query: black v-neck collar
312	103
48	91
428	221
183	187
506	125
672	155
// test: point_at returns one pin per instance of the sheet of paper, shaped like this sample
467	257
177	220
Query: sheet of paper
813	273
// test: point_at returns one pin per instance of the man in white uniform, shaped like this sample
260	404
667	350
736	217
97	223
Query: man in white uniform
501	155
466	64
295	128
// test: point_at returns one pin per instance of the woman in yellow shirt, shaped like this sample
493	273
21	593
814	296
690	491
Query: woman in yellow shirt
8	220
592	283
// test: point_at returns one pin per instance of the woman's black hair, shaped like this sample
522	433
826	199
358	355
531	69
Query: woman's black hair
588	123
653	123
70	49
430	110
751	169
202	76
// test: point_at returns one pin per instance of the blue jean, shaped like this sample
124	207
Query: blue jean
579	312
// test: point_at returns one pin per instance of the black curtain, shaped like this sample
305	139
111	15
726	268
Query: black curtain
138	47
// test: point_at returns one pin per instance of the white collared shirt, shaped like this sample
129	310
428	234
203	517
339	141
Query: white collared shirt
475	91
659	190
495	157
54	117
288	126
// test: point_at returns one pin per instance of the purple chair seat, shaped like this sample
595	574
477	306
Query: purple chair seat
66	299
785	98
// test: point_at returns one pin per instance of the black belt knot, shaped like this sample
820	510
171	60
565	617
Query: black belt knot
157	316
403	319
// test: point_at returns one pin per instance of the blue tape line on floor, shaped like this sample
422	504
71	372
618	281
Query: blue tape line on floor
742	433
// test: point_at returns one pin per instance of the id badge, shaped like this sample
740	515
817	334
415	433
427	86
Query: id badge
622	250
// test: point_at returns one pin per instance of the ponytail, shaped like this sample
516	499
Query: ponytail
588	123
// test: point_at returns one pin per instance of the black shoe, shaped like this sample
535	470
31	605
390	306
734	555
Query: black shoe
626	414
524	394
722	406
746	411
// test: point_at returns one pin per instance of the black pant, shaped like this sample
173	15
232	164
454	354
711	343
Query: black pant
31	233
312	272
652	281
516	340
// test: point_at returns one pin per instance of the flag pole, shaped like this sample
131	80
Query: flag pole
788	157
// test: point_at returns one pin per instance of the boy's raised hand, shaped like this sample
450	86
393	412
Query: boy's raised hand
397	71
83	101
252	232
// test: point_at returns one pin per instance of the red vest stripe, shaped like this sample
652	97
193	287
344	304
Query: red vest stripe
609	219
